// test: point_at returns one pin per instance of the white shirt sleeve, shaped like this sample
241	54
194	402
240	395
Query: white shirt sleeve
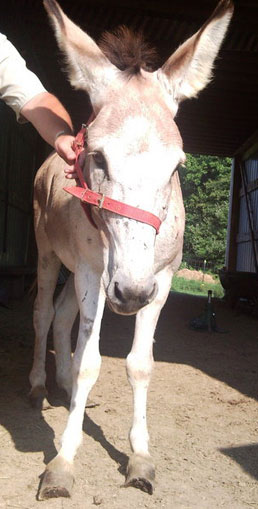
17	84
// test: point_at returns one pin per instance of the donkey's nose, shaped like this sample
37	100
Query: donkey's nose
129	298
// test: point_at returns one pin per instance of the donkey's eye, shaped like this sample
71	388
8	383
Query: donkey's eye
100	160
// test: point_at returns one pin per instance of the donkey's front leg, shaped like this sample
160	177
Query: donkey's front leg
140	470
58	478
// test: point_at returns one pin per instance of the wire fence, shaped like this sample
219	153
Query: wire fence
199	264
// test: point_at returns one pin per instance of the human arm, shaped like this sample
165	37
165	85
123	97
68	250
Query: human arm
24	93
52	122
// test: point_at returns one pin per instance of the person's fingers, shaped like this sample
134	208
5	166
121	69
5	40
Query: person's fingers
72	175
63	146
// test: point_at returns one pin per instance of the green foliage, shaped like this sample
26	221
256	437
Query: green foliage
182	285
205	184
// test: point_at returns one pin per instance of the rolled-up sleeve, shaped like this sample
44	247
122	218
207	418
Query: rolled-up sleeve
17	84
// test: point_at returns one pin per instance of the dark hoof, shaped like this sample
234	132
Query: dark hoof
57	480
38	397
140	473
62	395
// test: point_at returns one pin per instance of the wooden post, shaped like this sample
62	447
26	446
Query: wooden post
233	220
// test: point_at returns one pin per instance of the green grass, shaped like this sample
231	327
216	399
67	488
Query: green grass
179	284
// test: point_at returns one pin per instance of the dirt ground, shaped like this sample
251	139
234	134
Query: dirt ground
202	415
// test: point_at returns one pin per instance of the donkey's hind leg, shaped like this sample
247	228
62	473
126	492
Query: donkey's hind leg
48	268
66	309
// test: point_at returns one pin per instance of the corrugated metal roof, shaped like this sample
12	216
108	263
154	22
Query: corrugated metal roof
224	115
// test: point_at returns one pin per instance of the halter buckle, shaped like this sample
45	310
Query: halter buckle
101	201
82	195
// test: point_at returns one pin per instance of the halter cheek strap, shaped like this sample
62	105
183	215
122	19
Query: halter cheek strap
87	196
78	147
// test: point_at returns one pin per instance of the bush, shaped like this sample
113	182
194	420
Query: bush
205	184
179	284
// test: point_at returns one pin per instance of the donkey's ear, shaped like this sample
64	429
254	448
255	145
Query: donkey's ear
189	69
88	68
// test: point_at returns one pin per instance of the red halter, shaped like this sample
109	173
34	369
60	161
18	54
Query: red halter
87	196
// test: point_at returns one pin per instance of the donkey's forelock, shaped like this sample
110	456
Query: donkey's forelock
128	51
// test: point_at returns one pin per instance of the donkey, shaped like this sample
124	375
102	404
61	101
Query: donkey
132	153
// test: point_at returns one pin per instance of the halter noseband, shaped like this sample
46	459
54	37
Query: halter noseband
87	196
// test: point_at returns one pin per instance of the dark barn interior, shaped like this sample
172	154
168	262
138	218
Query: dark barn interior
225	114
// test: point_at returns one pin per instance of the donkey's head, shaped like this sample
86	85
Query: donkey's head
134	144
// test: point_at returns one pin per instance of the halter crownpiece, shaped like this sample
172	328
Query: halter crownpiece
87	196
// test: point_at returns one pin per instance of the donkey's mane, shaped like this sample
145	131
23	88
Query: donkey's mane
128	50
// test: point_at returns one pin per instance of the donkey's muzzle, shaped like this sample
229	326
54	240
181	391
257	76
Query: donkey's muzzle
126	297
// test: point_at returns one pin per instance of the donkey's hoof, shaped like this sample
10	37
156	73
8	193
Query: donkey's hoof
38	397
65	386
140	473
57	480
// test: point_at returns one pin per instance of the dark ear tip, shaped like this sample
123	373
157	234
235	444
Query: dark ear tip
230	5
54	11
52	7
47	4
225	5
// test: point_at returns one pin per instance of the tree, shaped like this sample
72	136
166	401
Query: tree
205	184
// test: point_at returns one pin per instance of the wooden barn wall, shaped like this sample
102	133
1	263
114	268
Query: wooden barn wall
18	153
242	248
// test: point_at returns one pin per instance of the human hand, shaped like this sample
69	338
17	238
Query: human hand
70	171
64	147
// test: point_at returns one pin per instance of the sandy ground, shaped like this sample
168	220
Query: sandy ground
202	415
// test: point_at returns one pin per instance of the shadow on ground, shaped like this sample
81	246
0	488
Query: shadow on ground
246	456
230	358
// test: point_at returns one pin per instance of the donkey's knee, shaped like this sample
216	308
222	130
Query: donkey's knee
139	368
88	374
42	318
